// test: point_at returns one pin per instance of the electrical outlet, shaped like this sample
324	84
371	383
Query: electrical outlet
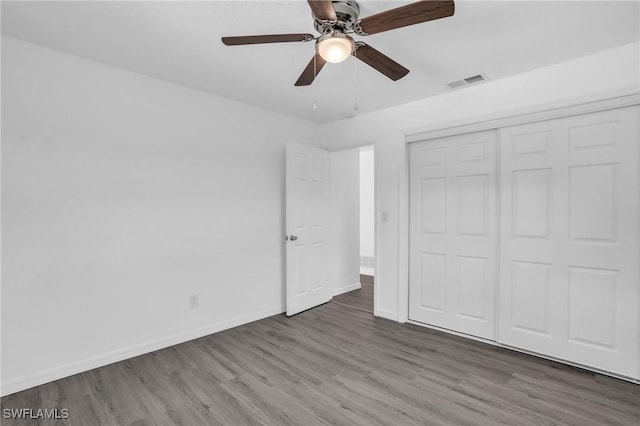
194	301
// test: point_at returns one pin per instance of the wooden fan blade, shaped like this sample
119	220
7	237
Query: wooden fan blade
414	13
379	61
268	38
311	71
323	9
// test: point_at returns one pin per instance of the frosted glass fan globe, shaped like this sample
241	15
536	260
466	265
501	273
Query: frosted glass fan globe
335	48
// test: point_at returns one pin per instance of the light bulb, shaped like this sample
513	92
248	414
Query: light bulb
335	47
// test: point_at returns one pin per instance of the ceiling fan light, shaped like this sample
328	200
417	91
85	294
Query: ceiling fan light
335	48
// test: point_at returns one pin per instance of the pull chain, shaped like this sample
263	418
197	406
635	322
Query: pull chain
315	74
355	80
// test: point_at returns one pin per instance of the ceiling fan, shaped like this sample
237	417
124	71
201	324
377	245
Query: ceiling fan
336	19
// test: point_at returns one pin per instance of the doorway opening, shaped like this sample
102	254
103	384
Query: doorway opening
362	298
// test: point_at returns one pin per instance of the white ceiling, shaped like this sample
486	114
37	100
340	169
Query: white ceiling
180	42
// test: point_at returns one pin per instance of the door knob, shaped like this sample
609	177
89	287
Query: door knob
293	238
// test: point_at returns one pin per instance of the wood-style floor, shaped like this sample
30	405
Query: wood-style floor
361	298
335	365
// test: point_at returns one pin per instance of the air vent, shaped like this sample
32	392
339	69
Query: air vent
467	81
456	84
474	79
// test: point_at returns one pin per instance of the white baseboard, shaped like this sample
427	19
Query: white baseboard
393	316
56	373
367	271
346	288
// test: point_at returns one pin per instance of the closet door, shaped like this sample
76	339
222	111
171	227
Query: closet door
569	245
452	271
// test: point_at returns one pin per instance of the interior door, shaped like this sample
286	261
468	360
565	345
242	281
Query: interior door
307	176
453	237
569	263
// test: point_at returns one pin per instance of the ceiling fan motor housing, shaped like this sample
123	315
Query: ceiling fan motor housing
347	12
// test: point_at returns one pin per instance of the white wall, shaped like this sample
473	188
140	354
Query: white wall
367	216
344	271
122	195
601	75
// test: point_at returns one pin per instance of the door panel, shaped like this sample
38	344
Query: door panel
433	205
532	203
306	219
530	297
453	239
433	281
470	291
569	244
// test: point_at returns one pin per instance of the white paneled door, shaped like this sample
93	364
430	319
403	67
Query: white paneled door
307	174
569	245
453	241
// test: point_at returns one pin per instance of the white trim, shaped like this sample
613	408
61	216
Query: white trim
364	270
403	255
363	145
524	351
403	239
376	229
56	373
526	115
498	230
346	288
387	315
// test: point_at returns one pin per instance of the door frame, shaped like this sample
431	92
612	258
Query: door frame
371	143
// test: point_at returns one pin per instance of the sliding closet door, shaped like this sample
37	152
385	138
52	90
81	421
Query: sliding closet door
452	275
569	245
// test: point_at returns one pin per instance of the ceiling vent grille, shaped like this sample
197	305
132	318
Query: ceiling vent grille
467	81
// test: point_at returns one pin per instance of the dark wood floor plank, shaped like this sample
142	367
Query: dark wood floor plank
336	365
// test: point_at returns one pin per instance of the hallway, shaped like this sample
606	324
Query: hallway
361	299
